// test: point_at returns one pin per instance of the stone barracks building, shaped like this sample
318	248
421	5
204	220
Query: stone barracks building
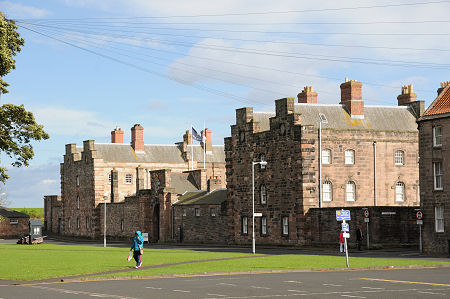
122	175
434	149
369	157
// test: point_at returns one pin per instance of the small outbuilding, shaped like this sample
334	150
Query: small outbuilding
36	228
13	224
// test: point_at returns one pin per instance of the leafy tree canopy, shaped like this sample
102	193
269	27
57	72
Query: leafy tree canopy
10	43
17	126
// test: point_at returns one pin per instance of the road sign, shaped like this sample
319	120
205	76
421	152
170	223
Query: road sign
419	222
342	215
345	227
366	220
258	214
145	236
346	235
366	213
419	215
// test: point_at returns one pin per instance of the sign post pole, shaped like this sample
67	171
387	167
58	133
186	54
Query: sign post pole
346	249
419	217
343	215
420	238
366	219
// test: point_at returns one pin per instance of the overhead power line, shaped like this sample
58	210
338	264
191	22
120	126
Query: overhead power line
273	12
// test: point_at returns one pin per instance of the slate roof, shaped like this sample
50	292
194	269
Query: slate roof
35	222
441	105
182	182
8	213
378	118
117	152
202	197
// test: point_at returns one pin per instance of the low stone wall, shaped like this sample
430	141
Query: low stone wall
12	231
388	226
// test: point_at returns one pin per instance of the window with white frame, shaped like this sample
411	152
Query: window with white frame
439	217
349	157
128	178
327	191
197	212
350	189
326	156
183	211
36	230
13	221
263	225
437	168
244	225
285	224
212	211
399	158
78	202
399	191
437	136
262	190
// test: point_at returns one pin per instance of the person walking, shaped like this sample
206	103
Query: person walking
341	242
138	247
359	237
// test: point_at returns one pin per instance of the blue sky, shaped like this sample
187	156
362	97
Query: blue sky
91	65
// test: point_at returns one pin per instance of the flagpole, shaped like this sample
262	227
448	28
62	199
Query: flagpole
192	151
204	146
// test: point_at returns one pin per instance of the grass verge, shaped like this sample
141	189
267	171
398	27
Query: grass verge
31	262
277	262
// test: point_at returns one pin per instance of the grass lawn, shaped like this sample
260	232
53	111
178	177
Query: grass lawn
276	262
28	262
34	213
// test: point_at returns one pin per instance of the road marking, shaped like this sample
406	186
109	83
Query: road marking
226	284
80	292
431	293
332	285
293	281
182	291
370	288
297	291
211	295
255	287
153	288
352	296
412	282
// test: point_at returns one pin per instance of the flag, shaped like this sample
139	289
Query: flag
195	135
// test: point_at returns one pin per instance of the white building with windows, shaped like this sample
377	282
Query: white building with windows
434	148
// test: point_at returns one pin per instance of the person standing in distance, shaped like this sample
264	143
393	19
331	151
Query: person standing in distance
138	247
359	237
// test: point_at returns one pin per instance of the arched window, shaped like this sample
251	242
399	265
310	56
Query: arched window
399	158
349	157
399	191
262	190
350	190
264	225
327	190
326	156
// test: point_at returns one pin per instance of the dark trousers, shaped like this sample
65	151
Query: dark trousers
137	256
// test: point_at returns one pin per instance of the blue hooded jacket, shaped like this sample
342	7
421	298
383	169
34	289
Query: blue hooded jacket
138	241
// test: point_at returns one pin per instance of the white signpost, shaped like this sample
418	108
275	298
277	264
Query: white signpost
366	220
343	215
419	221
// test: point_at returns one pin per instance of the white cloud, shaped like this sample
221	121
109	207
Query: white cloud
63	121
15	10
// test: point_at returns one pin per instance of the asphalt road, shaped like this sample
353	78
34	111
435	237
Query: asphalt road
417	283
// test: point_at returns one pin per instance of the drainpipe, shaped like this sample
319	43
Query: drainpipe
320	164
172	220
375	173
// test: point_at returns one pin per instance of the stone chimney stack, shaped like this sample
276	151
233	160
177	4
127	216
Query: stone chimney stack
407	96
206	134
351	97
443	85
307	96
137	138
214	183
117	135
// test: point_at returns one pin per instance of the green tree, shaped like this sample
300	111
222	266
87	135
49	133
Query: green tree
17	126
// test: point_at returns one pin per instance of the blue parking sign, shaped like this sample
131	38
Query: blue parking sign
342	215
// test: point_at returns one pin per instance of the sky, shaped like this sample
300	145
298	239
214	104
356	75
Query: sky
91	65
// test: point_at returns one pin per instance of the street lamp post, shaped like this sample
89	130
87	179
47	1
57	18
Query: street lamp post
322	120
262	163
104	223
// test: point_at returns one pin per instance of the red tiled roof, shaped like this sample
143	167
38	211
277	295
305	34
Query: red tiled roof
442	103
